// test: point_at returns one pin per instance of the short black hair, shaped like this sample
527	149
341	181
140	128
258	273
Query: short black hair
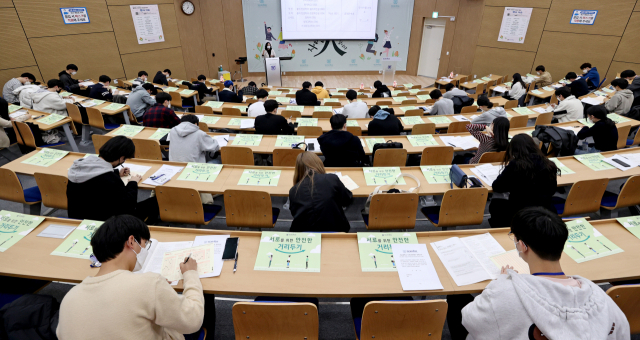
449	87
202	77
142	73
627	74
373	110
571	75
270	105
585	65
306	85
190	118
148	86
620	82
162	97
319	83
377	84
252	83
563	91
262	94
483	100
109	240
598	111
351	94
117	147
28	76
338	121
169	71
435	94
55	82
72	67
540	68
541	230
104	79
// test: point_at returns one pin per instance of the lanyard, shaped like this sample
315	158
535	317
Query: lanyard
550	274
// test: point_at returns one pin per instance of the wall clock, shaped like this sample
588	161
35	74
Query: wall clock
187	7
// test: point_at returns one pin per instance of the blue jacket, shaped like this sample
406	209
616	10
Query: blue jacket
98	91
594	77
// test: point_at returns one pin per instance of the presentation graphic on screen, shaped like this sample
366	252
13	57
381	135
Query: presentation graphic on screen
329	19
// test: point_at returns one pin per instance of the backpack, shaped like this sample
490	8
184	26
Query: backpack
565	141
31	316
461	101
83	113
388	145
378	190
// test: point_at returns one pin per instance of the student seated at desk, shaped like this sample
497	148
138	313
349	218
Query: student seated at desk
13	84
201	87
162	77
591	75
271	123
522	306
227	94
5	123
317	198
633	80
604	132
320	91
119	304
305	97
49	100
142	78
569	107
578	87
257	109
453	91
101	90
95	190
355	109
68	83
544	77
382	91
190	144
495	139
161	115
339	147
140	99
528	176
621	101
517	89
384	122
442	106
250	89
489	113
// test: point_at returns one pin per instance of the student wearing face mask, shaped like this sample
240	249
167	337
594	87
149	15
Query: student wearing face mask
142	78
489	113
119	304
268	52
95	190
603	132
49	100
517	89
544	77
591	75
569	107
68	83
13	84
162	77
161	115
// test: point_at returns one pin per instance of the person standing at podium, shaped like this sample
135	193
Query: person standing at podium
268	52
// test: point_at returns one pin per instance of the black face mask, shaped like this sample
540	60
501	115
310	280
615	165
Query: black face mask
119	164
58	90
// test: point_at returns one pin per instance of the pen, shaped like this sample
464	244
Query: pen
188	257
235	264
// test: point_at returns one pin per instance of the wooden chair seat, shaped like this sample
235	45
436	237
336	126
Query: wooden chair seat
629	196
584	198
231	111
310	131
518	122
332	104
147	149
392	211
414	112
355	130
459	207
249	209
384	102
207	110
424	129
390	157
285	157
321	114
184	205
98	141
456	127
409	101
627	297
24	136
403	320
53	189
544	118
291	113
623	133
437	155
96	120
236	155
510	104
275	321
11	190
469	109
492	157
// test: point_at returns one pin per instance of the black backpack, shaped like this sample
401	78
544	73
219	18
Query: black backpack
388	145
461	101
565	141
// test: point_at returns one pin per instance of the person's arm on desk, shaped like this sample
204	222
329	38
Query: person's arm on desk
343	195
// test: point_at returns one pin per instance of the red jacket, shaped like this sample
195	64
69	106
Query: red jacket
160	116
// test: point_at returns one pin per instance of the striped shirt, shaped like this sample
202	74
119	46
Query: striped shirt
486	142
7	90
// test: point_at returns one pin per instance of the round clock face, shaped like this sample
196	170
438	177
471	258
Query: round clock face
188	7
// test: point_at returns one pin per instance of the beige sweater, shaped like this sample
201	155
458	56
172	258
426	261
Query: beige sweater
124	305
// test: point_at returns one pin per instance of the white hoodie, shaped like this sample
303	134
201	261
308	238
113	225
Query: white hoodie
24	94
574	108
47	101
515	304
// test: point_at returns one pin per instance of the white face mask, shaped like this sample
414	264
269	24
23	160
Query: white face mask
167	75
519	252
585	71
27	83
140	257
538	73
74	72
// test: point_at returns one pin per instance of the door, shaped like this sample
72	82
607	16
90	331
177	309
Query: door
432	37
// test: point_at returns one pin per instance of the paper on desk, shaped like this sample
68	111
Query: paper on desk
134	169
483	247
247	123
631	164
222	140
487	172
220	241
57	231
634	157
468	142
461	118
593	100
18	113
500	89
153	263
86	83
338	111
163	175
463	267
511	258
543	109
473	117
415	268
347	181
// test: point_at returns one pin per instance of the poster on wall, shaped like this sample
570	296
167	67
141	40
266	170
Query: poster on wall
264	37
146	20
75	15
515	22
582	17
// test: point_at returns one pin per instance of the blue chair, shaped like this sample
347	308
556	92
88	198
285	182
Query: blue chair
201	334
584	198
629	196
275	320
11	190
183	205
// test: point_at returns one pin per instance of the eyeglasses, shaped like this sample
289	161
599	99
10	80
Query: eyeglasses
512	237
148	245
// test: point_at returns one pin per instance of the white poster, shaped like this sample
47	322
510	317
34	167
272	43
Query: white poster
582	17
515	22
75	15
146	19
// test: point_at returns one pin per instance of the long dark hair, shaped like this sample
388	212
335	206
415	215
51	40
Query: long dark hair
4	109
517	78
528	158
501	134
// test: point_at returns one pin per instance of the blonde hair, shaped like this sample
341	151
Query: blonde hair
307	165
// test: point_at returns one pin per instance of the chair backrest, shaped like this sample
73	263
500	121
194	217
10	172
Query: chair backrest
250	101
338	96
285	157
393	211
10	187
416	87
518	121
430	101
53	189
403	319
437	155
184	87
311	131
554	99
147	149
291	113
469	109
236	155
22	129
355	130
511	104
290	95
171	83
627	297
480	88
410	101
492	157
585	197
630	193
390	157
362	96
248	209
74	113
208	110
383	102
322	114
95	118
203	126
424	129
623	133
275	321
231	111
463	207
180	205
99	140
332	104
414	112
176	100
544	118
455	127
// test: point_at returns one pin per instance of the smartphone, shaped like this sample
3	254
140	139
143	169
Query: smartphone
311	147
621	163
230	248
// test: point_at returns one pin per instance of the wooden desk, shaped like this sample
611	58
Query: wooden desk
65	123
456	80
470	85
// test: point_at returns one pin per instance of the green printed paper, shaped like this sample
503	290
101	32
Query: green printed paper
263	178
245	139
113	107
46	157
242	109
187	92
14	226
200	172
486	78
395	93
210	119
161	132
282	100
538	92
51	119
423	97
436	174
399	99
414	91
178	82
440	120
594	161
421	140
585	243
617	118
78	243
275	93
235	121
294	252
607	90
65	94
600	93
128	130
287	141
322	108
412	120
632	224
299	108
383	176
586	121
332	100
113	87
373	141
98	101
307	121
508	83
407	85
548	88
406	108
14	108
352	123
531	75
563	168
478	81
213	104
170	89
376	253
523	110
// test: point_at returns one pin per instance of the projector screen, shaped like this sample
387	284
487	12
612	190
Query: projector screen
329	19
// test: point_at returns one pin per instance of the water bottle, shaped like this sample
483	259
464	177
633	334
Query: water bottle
220	68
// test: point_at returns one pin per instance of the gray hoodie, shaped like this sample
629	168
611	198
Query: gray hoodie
487	117
454	92
444	106
139	100
514	304
190	144
84	169
47	101
23	93
621	102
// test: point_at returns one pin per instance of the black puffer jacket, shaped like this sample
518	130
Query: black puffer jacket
30	317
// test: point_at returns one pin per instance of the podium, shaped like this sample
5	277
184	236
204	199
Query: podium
272	70
389	70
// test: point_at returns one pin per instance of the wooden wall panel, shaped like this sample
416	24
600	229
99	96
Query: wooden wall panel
617	67
42	18
421	9
519	3
95	54
490	29
215	41
490	60
447	8
151	62
234	33
16	51
126	33
558	59
469	17
611	20
637	9
629	48
6	3
137	2
192	40
5	75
